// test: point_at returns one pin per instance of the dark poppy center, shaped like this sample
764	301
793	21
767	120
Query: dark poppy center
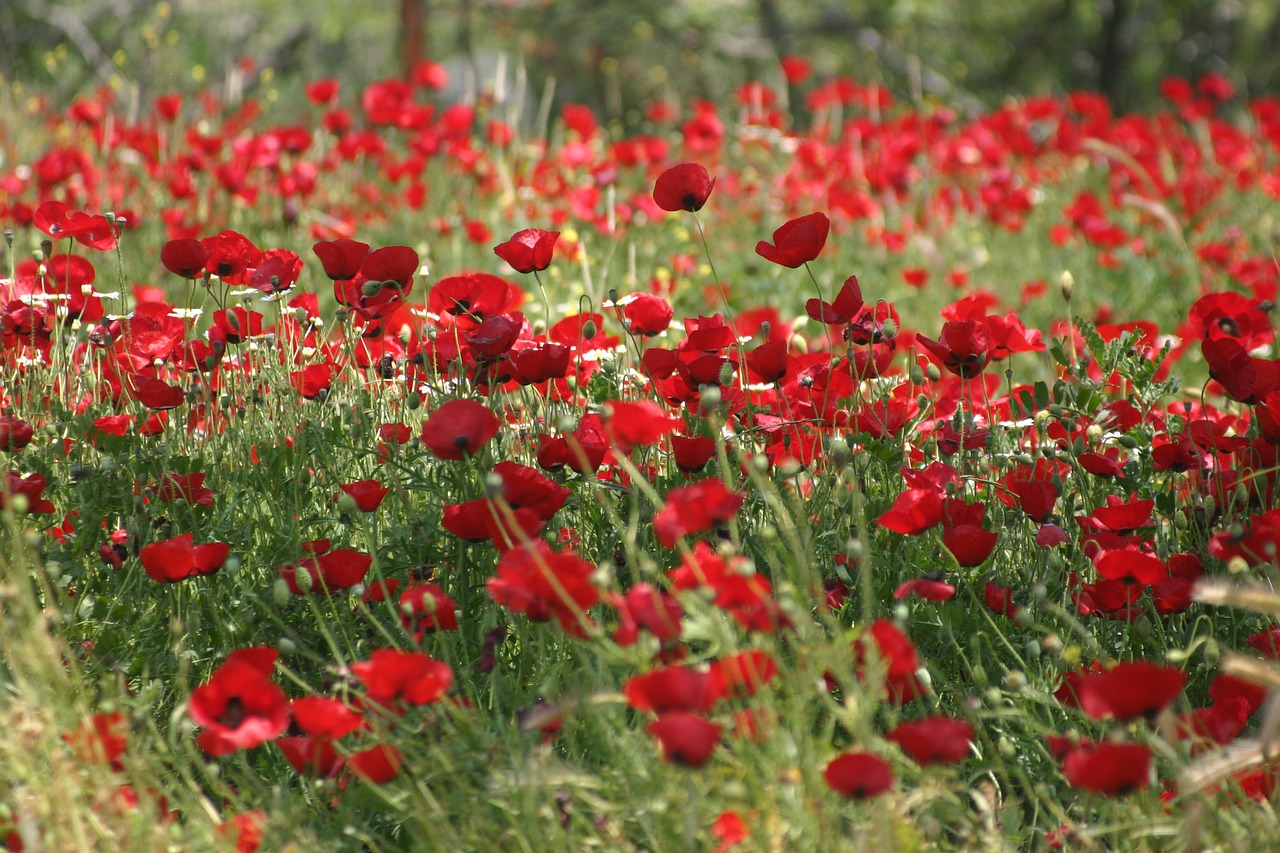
235	713
1229	325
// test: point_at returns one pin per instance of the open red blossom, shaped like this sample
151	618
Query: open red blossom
926	588
187	487
426	608
542	584
31	487
640	423
378	764
57	220
672	688
325	717
692	453
100	739
1244	377
230	254
367	494
179	558
999	599
15	433
1129	690
154	393
315	757
858	775
847	305
897	657
797	242
743	674
184	257
686	739
646	314
341	258
970	544
934	740
683	187
238	324
729	829
695	509
1131	567
1111	769
1120	515
528	250
239	707
459	429
963	347
914	512
745	595
392	675
245	829
646	608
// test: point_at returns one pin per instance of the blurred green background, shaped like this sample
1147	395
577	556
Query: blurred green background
614	56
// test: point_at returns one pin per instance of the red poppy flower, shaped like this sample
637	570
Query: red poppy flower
15	433
239	707
999	599
1129	690
858	775
672	688
230	253
101	739
341	258
187	487
931	590
528	250
1131	567
934	740
745	595
970	544
31	487
797	242
743	674
237	324
325	717
459	429
639	423
683	187
686	739
314	757
694	509
646	314
1111	769
176	559
542	584
393	675
378	764
367	495
646	608
154	393
184	257
963	347
897	655
426	608
846	306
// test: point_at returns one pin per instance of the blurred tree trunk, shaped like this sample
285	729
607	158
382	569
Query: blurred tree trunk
774	29
413	25
1113	52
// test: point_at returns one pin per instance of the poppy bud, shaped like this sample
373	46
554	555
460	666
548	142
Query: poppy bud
589	330
933	372
1067	285
280	593
372	288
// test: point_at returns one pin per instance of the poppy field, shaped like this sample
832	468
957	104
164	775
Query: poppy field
810	471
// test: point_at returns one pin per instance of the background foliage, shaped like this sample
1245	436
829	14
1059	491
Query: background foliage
616	54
